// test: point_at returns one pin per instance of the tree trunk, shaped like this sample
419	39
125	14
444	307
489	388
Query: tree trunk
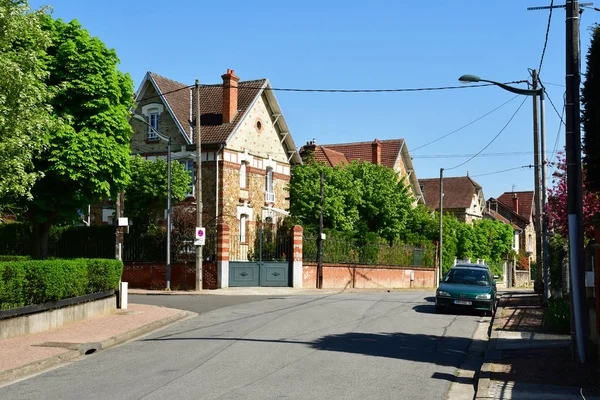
40	233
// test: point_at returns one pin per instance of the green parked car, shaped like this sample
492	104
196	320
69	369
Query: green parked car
467	287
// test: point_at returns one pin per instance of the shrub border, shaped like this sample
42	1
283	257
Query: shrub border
37	308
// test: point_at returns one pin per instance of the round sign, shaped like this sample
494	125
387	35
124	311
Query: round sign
200	233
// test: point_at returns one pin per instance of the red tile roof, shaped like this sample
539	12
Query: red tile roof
458	192
363	151
213	130
525	202
494	215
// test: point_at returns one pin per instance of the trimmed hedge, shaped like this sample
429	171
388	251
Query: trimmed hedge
23	283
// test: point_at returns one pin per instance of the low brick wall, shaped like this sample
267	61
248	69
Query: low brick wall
340	276
522	278
153	275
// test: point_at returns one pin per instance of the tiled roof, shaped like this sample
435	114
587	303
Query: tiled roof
211	106
458	192
525	202
493	214
363	151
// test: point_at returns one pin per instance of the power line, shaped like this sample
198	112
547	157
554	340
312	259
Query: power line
493	139
512	154
558	133
465	126
550	100
546	40
501	171
554	84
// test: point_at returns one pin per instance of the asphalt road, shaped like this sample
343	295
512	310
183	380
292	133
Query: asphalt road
197	303
338	346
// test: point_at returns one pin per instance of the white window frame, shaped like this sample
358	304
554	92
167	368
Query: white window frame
269	191
243	220
189	167
153	120
243	175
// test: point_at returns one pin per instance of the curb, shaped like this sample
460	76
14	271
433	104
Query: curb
485	372
10	375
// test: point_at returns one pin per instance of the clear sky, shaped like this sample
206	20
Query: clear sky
361	45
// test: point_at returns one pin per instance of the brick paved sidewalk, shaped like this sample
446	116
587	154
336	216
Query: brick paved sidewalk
526	359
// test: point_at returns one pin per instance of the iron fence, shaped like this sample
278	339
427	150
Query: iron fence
151	248
265	245
380	252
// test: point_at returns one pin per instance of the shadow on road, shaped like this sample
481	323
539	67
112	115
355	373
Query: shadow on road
430	309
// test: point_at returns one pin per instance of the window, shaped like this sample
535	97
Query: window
269	194
153	122
243	219
189	167
243	175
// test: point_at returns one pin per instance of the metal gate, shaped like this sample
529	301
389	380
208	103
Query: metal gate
262	260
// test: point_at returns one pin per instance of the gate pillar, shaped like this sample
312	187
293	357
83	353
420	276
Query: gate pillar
297	256
222	255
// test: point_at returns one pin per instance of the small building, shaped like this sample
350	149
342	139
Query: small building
463	197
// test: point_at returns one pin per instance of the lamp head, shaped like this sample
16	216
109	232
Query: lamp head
469	78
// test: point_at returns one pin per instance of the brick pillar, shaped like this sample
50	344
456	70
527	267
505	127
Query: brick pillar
297	256
222	255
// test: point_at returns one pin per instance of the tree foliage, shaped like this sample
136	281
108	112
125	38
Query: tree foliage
146	195
557	201
87	157
24	110
590	118
360	197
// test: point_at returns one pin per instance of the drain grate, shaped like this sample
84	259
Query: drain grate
83	348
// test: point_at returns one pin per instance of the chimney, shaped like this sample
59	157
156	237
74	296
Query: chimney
376	152
230	96
516	203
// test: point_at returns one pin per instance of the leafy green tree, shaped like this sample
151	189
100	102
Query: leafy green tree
451	228
87	157
340	211
146	195
492	240
422	225
465	235
24	110
590	118
385	200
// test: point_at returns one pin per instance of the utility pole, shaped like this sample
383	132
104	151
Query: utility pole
574	184
441	208
545	235
199	206
118	235
537	198
320	237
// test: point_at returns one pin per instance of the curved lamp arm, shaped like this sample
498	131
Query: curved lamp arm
160	135
526	92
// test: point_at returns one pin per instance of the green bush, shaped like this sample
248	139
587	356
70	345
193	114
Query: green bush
558	314
25	283
14	258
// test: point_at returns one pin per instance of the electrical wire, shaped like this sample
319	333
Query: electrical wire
558	133
551	102
555	84
546	40
501	171
470	155
493	139
464	126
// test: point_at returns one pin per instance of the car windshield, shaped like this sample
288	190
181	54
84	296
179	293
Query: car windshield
467	276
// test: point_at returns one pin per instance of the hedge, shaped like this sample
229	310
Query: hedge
24	283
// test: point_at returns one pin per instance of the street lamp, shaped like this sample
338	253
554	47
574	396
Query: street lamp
541	213
168	140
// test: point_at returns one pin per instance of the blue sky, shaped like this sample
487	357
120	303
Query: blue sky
361	45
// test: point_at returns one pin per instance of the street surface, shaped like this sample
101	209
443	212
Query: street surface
335	346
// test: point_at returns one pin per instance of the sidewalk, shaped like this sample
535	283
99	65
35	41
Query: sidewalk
525	359
25	355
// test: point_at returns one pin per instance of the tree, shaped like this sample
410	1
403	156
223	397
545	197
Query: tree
590	116
422	225
24	110
87	157
340	211
385	200
557	201
146	195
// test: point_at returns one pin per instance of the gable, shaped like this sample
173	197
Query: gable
525	198
257	133
459	192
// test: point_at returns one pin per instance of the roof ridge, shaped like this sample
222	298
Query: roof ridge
364	142
518	191
154	74
509	208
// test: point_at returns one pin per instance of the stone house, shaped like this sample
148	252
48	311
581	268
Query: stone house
389	153
518	208
247	149
463	197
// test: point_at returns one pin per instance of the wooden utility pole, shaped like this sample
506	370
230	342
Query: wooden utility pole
198	165
537	197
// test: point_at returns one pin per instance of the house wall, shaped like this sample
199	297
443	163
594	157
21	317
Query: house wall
166	126
262	142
